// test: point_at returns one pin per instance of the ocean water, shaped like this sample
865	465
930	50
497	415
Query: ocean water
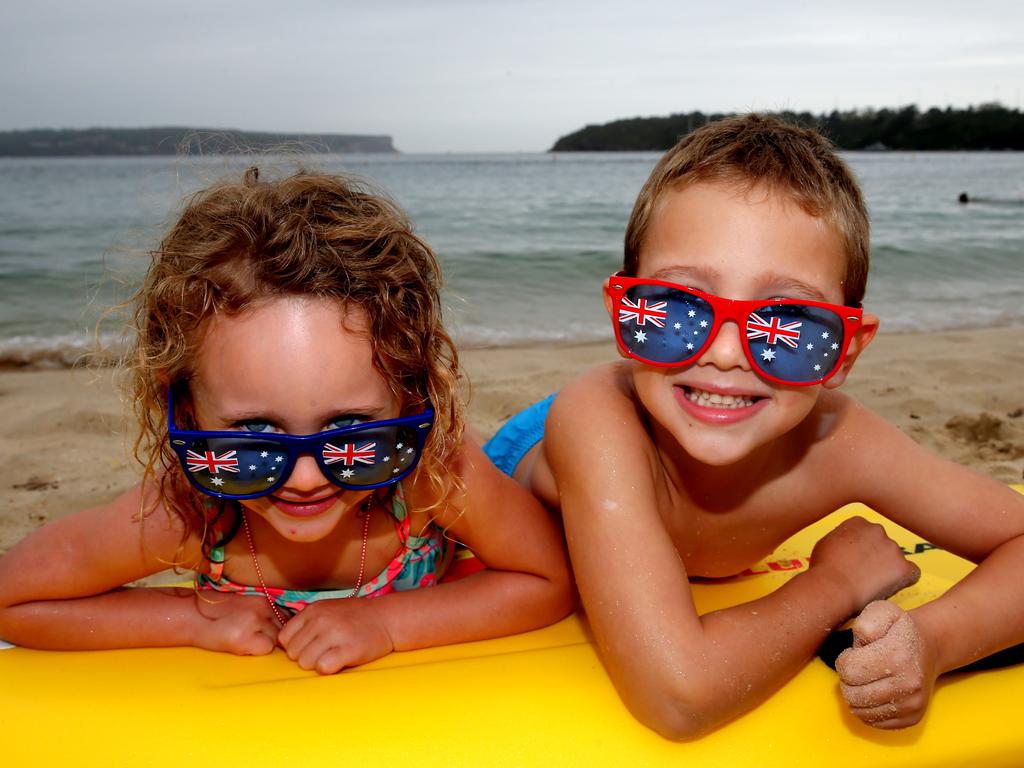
525	240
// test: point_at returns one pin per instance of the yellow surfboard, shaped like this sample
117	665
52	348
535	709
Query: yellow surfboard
540	698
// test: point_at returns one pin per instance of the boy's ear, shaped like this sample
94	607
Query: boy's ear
610	309
861	338
607	296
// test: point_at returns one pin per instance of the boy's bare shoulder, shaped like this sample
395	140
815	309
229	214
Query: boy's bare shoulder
840	420
597	408
609	385
854	443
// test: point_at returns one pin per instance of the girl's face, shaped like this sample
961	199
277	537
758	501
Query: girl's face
297	365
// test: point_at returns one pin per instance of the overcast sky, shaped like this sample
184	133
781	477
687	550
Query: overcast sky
482	75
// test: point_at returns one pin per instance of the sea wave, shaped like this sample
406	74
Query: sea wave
63	351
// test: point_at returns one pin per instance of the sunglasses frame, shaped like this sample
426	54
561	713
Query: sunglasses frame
737	310
295	446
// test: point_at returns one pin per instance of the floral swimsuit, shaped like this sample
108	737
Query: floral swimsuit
420	562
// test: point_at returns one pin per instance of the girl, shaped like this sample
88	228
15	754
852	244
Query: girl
303	443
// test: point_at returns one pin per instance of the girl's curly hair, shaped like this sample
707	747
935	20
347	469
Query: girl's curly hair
238	243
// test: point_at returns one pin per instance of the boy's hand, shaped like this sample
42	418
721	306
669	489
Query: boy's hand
330	635
239	624
865	561
888	674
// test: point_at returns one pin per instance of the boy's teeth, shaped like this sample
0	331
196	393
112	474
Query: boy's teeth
715	400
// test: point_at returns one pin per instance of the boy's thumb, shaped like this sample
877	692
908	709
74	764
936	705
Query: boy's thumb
874	622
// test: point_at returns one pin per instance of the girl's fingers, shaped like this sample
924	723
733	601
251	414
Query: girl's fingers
333	660
290	629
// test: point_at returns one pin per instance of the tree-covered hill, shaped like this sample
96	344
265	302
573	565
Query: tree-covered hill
44	142
987	126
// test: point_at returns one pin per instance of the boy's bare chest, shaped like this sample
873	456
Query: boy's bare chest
715	543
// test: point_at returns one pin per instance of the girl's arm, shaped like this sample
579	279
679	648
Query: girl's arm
526	584
680	673
60	588
888	676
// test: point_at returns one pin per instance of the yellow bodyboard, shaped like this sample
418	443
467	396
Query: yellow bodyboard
540	698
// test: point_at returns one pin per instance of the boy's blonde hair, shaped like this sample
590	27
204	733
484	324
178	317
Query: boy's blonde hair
238	243
756	150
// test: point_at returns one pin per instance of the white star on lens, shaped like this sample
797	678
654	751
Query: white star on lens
640	336
696	332
264	455
691	313
399	446
395	471
677	326
386	458
768	355
216	481
278	459
835	346
689	345
409	450
817	367
824	354
347	473
271	479
824	334
252	467
703	323
810	346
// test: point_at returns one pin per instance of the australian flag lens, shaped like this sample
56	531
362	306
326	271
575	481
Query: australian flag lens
664	325
235	467
372	456
795	342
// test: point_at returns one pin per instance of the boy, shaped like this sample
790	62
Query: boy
722	433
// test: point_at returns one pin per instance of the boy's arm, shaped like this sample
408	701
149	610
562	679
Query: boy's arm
526	584
60	589
888	676
680	673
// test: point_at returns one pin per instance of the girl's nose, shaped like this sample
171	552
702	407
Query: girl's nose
306	475
726	350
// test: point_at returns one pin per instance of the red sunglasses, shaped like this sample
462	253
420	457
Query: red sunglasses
788	341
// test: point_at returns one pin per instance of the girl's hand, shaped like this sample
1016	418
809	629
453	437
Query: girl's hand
888	674
240	624
330	635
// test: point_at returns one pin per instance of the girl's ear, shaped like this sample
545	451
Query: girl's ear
861	338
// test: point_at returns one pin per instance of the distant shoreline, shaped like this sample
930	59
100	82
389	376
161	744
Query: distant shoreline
178	140
985	127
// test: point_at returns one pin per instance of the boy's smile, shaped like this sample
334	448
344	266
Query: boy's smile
737	243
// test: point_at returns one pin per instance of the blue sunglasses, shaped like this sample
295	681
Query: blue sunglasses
246	465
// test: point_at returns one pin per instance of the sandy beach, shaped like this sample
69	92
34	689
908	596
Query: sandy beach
64	444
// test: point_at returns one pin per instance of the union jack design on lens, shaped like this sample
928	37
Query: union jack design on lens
643	310
210	462
349	454
773	332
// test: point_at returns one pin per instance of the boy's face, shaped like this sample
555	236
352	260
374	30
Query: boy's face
739	244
